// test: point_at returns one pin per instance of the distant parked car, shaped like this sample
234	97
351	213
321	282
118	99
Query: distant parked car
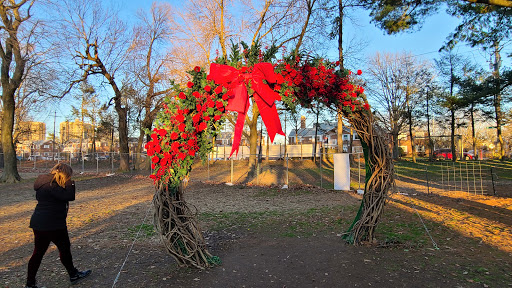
468	155
36	158
102	157
445	153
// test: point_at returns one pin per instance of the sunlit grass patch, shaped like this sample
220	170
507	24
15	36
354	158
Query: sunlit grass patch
142	231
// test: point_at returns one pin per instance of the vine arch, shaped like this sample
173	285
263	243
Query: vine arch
192	118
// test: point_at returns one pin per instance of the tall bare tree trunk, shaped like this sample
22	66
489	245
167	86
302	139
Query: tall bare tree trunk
473	136
497	100
124	151
11	75
411	136
452	134
253	138
430	142
340	56
10	173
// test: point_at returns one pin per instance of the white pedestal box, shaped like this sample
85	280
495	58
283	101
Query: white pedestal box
341	171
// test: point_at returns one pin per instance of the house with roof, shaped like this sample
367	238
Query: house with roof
327	135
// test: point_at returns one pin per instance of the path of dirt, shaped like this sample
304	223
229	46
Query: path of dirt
103	221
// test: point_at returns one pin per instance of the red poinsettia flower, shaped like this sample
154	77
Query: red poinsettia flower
155	159
207	88
359	72
202	126
216	117
182	127
192	142
180	118
218	90
196	94
162	132
366	106
175	146
174	136
190	84
197	69
182	95
191	152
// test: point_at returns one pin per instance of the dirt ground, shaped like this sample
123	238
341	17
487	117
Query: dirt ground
271	237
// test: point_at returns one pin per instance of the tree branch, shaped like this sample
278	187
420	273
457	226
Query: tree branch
502	3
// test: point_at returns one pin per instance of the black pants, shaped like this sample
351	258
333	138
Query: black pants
42	240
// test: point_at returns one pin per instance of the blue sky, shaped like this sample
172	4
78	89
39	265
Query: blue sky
424	43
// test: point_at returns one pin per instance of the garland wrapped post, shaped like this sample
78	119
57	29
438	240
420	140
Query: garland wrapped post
186	128
317	82
379	179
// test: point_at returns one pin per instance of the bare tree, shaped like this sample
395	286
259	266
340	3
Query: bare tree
16	34
98	41
394	82
149	64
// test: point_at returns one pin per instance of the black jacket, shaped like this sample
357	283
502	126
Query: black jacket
52	203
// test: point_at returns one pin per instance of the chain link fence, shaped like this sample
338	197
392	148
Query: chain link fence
290	169
291	166
490	177
104	162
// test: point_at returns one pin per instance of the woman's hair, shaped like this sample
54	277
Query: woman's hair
61	174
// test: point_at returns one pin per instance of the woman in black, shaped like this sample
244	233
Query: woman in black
53	193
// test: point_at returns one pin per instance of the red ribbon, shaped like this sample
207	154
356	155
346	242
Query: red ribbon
236	82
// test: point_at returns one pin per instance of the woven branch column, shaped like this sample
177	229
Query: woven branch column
379	178
179	230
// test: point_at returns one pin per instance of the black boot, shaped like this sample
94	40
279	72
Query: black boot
79	275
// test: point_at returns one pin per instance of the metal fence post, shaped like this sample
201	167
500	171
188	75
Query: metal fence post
321	176
231	170
492	178
287	170
428	184
258	171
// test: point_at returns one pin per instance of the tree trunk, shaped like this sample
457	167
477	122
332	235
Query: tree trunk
452	134
340	133
473	136
394	139
430	143
316	134
409	115
124	151
497	99
253	139
10	173
267	158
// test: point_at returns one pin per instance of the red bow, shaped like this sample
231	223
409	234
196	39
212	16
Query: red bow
236	82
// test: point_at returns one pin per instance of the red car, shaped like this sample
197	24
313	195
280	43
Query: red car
446	153
443	153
